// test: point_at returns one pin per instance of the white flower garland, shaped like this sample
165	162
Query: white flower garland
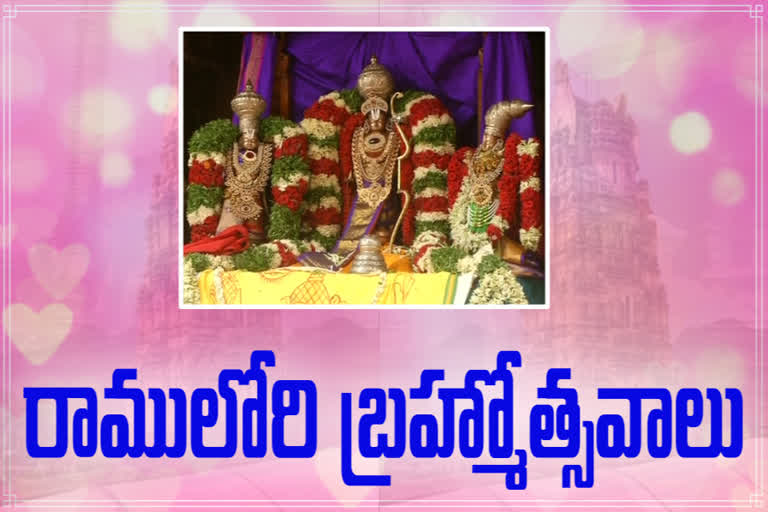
324	180
203	212
528	147
533	183
317	152
219	158
318	128
431	121
468	264
499	287
529	238
191	290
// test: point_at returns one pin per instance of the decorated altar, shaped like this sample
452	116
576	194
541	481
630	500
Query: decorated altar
366	197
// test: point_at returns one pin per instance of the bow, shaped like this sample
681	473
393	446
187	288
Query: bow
400	158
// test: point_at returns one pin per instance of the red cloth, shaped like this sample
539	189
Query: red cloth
230	241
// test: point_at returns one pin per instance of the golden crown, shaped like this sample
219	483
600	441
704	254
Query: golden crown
375	80
249	103
500	115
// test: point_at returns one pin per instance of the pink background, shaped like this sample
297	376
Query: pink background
656	270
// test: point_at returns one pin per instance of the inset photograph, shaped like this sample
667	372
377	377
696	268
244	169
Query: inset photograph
363	169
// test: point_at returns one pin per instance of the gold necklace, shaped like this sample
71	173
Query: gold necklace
246	181
373	170
485	167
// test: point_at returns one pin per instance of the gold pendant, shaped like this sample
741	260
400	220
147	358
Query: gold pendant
373	194
482	194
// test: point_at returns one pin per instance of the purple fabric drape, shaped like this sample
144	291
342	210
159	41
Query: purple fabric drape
506	71
257	64
442	63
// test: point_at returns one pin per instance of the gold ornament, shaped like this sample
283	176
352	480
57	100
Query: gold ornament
376	81
373	169
245	181
248	103
485	167
500	115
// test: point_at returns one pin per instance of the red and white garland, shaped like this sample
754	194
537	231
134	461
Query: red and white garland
323	122
206	184
432	132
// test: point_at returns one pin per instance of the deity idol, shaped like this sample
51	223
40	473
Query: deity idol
247	172
230	169
495	191
356	139
375	146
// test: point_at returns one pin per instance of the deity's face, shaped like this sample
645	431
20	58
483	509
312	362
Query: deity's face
377	121
489	140
249	129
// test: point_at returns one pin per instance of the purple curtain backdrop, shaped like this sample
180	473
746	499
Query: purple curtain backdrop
257	63
443	63
506	71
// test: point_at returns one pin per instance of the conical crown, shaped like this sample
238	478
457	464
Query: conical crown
248	103
501	114
375	80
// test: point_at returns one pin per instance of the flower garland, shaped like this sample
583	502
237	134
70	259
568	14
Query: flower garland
348	188
499	287
496	283
205	191
519	184
323	122
289	176
531	214
432	134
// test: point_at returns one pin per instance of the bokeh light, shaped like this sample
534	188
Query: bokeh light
690	132
162	99
219	15
98	115
728	187
115	169
602	44
139	27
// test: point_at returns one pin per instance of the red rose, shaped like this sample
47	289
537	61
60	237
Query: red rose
287	258
206	173
424	108
428	157
325	216
200	232
324	166
290	197
494	233
431	204
292	146
211	222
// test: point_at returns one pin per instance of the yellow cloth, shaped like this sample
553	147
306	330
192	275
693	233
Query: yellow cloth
288	286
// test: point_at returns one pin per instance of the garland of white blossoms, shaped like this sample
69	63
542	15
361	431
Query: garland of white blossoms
463	237
499	287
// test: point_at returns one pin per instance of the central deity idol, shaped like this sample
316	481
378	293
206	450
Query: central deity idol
374	148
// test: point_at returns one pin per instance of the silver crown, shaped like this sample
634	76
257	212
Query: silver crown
248	103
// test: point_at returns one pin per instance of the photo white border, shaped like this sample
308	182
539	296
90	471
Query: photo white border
547	107
755	500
